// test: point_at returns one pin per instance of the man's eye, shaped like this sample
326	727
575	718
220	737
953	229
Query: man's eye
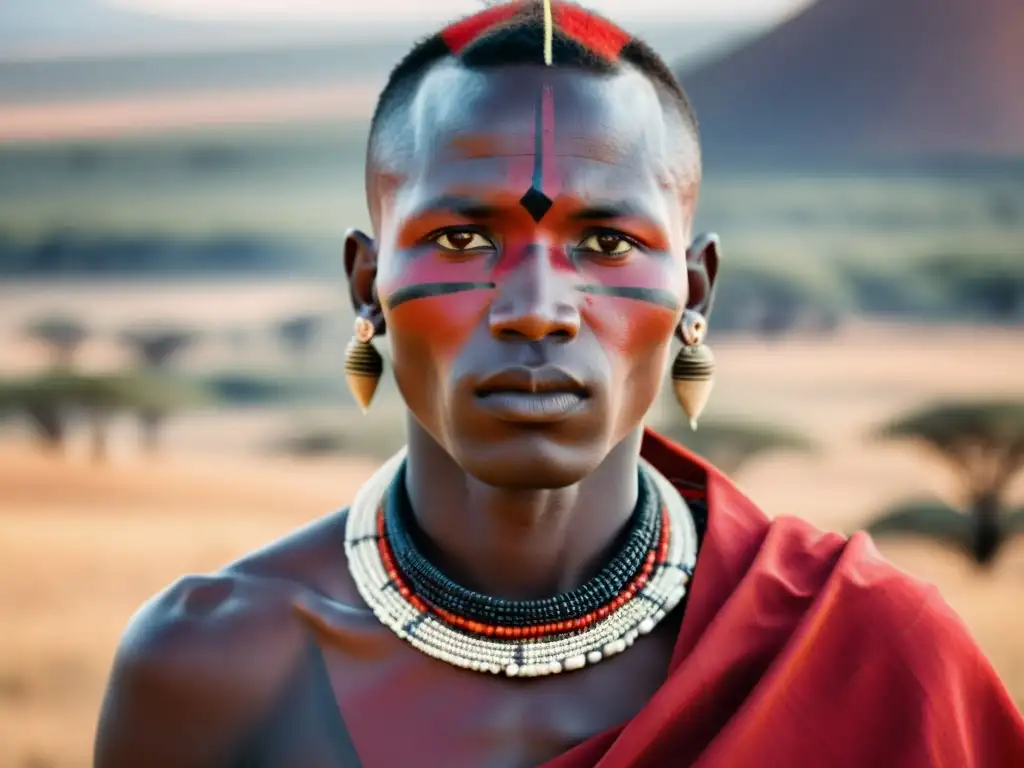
606	244
462	240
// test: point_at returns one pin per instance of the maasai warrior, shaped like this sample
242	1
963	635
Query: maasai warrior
537	580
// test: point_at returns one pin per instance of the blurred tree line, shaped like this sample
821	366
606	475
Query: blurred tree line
982	442
754	296
53	401
68	254
773	300
63	396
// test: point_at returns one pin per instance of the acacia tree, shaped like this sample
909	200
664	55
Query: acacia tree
732	444
61	334
100	397
49	401
983	443
772	302
43	403
154	348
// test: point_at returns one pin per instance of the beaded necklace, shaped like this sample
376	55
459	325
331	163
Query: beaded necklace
634	554
642	583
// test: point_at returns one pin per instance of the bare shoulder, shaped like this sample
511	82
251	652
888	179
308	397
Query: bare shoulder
201	663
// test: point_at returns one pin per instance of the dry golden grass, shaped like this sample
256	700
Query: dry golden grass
82	546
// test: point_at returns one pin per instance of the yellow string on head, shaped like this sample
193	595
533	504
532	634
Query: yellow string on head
549	34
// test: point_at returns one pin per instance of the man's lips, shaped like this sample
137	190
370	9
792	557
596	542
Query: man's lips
542	380
523	394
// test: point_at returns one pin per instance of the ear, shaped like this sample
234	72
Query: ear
361	271
702	272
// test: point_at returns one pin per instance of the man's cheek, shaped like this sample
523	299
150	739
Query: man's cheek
661	269
629	326
439	325
402	269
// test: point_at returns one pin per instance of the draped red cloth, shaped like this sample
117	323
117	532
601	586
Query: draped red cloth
801	648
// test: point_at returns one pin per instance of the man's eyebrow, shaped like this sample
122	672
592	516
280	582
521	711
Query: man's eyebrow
604	211
461	205
473	208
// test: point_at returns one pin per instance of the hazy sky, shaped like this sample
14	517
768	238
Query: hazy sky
386	11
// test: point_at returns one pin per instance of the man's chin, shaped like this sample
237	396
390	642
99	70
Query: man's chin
529	461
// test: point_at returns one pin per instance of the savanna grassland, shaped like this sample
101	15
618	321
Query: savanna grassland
82	546
913	277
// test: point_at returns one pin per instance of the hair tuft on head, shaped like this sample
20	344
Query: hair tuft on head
595	33
463	32
523	32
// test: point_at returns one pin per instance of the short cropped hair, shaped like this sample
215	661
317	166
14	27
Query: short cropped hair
513	33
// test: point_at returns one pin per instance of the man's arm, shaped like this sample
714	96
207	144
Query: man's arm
195	674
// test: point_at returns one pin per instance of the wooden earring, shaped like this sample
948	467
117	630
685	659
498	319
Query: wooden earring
694	367
363	364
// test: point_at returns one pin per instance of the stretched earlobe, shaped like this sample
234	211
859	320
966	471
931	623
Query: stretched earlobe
360	254
702	260
694	368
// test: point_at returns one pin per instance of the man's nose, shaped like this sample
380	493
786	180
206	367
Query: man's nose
536	300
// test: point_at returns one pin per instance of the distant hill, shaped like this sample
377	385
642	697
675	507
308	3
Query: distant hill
69	29
210	69
171	76
854	80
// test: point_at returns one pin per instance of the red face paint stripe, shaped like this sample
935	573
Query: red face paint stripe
462	33
516	255
592	32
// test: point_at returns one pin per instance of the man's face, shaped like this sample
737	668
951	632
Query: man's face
531	264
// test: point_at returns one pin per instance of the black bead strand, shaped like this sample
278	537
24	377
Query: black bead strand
428	582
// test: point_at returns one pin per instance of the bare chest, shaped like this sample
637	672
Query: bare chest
403	708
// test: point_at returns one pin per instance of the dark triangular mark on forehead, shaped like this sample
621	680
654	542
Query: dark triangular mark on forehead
536	201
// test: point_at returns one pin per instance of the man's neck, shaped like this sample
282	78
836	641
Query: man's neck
519	543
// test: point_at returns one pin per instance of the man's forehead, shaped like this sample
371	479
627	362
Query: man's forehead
605	137
459	112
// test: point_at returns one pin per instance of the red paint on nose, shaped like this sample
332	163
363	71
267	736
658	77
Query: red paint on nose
518	257
535	323
536	294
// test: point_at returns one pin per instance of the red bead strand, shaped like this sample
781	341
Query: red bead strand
654	558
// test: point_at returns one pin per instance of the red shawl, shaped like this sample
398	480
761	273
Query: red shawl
801	648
